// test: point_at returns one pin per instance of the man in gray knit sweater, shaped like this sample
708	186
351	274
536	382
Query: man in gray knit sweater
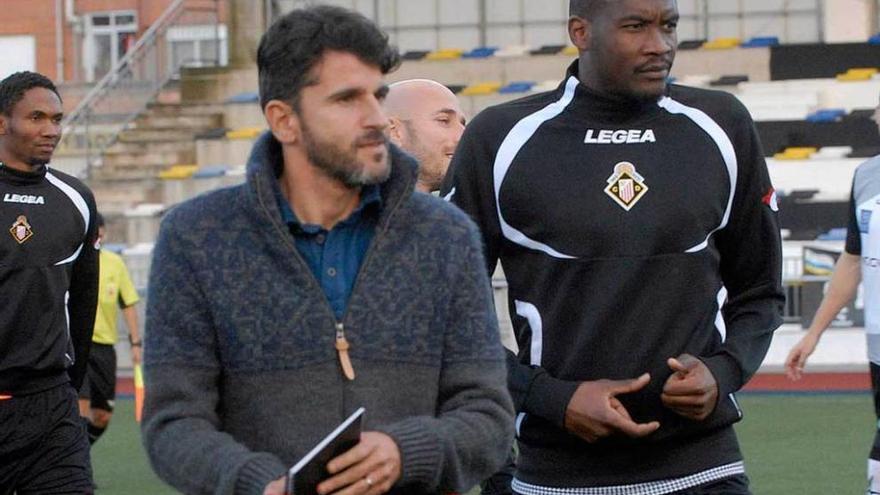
323	284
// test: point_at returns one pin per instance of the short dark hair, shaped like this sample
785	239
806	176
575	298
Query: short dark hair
13	88
585	8
295	43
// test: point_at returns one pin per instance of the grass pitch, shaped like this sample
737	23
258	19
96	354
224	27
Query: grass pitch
807	444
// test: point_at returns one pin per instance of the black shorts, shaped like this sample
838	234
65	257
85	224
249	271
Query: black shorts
99	385
44	448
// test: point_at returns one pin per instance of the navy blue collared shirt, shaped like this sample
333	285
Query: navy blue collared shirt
335	255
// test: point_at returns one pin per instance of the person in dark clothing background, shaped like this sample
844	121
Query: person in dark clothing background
49	282
636	225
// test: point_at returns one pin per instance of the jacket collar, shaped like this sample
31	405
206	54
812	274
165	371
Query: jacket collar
265	163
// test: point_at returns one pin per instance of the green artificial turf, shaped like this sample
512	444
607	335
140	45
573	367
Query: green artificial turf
794	445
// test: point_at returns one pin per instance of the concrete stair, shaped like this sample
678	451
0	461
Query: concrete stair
162	136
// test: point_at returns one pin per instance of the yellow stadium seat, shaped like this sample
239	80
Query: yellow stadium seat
796	153
245	133
484	88
445	54
178	172
857	74
570	50
721	43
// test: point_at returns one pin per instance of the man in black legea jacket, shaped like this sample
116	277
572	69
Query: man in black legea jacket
636	224
49	290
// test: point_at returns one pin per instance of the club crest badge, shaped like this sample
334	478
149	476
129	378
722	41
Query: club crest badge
625	186
21	230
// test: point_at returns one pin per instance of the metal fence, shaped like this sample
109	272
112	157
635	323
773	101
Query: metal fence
188	33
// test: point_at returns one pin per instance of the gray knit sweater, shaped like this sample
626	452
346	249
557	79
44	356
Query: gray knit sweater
242	376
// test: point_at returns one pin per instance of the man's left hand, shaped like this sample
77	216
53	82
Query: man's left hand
371	467
691	391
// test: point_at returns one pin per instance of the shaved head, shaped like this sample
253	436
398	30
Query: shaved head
426	121
403	96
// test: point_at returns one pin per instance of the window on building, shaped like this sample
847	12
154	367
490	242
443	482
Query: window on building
197	46
108	37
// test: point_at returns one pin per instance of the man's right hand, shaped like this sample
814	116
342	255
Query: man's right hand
594	411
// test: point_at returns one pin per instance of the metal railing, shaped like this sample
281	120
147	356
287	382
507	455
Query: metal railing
135	80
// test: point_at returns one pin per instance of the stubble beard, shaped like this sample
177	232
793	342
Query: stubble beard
343	165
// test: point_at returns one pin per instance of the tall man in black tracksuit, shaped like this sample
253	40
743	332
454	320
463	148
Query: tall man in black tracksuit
49	286
636	224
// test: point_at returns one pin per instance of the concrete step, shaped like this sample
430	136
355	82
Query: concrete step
238	115
146	147
223	151
150	135
195	122
174	109
161	158
122	172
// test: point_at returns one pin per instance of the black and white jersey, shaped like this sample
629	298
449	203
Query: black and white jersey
863	240
48	279
629	233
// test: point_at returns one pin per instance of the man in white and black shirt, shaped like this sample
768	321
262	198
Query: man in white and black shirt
49	283
636	224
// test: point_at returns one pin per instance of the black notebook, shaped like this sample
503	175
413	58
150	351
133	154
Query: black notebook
304	476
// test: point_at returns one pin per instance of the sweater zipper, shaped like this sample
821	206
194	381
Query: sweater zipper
342	347
340	342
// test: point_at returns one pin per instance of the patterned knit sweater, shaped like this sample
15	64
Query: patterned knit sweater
242	376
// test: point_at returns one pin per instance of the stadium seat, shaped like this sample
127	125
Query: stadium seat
415	55
543	86
481	52
570	50
761	41
826	115
721	44
731	80
833	152
245	133
512	51
245	97
483	88
517	87
547	50
218	133
835	234
795	153
211	171
455	88
857	74
874	40
177	172
445	54
865	152
691	44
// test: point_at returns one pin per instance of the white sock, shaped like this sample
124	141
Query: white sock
873	477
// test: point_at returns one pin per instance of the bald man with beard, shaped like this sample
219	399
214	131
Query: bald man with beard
426	121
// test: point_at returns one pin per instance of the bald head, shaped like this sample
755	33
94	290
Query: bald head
405	97
426	121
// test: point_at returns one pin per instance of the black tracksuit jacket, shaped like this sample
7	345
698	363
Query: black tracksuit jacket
48	279
629	232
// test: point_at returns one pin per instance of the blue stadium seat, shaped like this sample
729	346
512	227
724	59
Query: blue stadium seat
761	41
517	87
246	97
826	115
211	171
481	52
835	234
874	40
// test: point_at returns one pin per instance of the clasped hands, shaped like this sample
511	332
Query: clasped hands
594	411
